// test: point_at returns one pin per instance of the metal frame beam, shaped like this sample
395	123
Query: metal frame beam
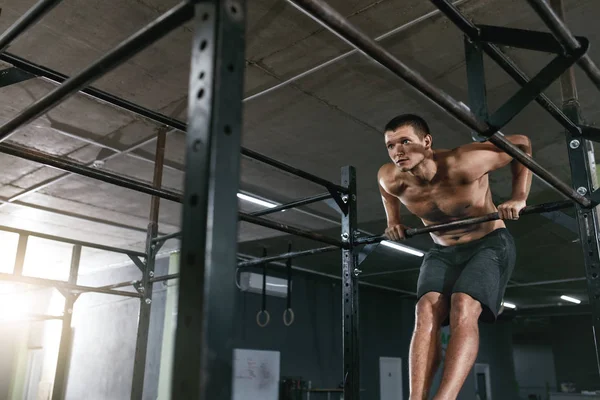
350	292
338	24
203	357
33	15
64	351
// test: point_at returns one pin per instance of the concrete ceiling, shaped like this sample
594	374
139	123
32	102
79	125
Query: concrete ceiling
319	123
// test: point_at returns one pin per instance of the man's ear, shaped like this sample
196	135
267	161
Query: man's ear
428	139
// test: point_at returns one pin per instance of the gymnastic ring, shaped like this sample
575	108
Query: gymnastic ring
268	318
292	317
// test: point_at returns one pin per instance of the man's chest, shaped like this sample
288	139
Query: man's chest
444	200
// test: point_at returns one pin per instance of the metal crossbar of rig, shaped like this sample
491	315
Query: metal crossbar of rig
203	352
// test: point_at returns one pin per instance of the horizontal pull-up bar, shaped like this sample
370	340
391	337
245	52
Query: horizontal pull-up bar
289	229
537	209
338	24
80	169
292	204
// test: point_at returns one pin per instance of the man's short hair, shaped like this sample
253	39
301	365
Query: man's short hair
418	124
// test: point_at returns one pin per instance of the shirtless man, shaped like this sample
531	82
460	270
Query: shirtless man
464	275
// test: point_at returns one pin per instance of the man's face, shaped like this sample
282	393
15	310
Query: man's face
405	148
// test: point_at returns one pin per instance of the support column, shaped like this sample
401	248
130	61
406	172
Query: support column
145	287
205	318
64	351
350	304
584	180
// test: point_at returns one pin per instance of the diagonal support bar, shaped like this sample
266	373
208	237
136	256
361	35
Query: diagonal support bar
535	86
338	24
33	15
472	32
138	262
137	42
566	38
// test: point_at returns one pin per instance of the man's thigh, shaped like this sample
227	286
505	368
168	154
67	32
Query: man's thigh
486	274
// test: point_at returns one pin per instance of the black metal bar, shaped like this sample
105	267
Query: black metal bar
289	229
127	49
350	301
57	77
584	178
138	262
293	204
292	170
64	350
336	22
11	76
476	83
285	256
80	169
503	61
72	241
537	209
20	257
120	285
203	356
565	37
62	285
164	278
166	237
534	87
521	38
146	287
72	215
590	133
28	19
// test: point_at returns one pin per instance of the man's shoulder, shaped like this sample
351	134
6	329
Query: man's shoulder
386	170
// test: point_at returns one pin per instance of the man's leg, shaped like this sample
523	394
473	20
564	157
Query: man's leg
463	346
425	348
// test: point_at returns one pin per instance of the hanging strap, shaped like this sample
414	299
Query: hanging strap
288	314
264	296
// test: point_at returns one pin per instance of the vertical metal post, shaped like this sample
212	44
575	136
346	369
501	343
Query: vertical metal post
350	304
476	83
584	179
64	351
145	287
20	257
205	323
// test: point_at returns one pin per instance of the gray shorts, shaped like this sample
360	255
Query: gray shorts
480	268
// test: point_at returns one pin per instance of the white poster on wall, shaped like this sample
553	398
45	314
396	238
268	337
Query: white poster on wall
255	374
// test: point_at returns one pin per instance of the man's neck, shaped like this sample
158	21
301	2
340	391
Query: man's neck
426	169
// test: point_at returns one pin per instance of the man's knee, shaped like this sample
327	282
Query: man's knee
464	307
432	309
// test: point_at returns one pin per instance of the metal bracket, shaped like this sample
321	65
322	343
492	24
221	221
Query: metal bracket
340	199
13	75
139	287
532	40
590	133
366	251
140	264
523	39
